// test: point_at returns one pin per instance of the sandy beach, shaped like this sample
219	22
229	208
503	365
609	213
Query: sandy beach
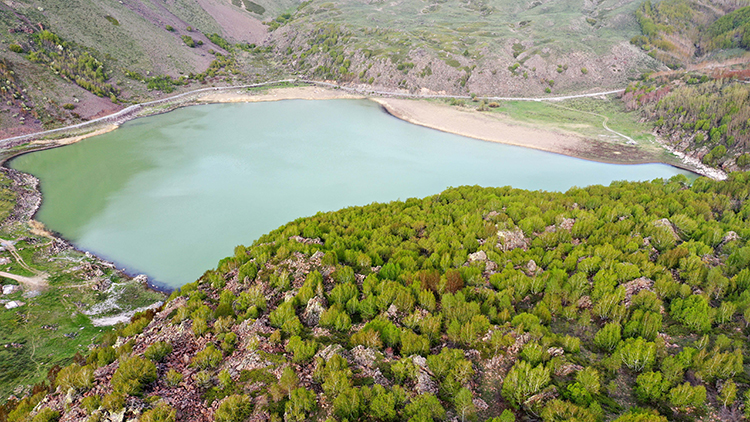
479	125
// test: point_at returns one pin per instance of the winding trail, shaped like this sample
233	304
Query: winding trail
604	121
133	109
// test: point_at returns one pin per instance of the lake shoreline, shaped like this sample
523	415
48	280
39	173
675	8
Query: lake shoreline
465	122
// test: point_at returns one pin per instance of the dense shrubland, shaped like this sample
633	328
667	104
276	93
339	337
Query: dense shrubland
709	117
629	302
677	31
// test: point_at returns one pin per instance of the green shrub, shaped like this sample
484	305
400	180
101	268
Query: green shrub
15	48
76	377
207	358
161	413
235	408
132	376
158	351
91	403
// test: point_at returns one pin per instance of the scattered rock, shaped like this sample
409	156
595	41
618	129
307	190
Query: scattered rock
9	289
567	223
13	304
664	222
584	303
567	369
328	352
531	266
478	256
635	286
509	240
730	236
141	278
425	383
312	313
364	356
480	404
555	351
307	241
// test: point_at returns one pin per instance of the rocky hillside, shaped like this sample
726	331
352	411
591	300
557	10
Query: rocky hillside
626	303
487	47
65	62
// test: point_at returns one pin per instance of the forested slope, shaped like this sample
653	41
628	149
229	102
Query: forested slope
627	302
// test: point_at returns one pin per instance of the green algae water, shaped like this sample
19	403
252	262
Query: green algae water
170	195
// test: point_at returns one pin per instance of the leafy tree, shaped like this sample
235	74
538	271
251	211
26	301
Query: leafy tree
608	337
694	312
637	354
649	386
523	381
301	403
687	397
424	407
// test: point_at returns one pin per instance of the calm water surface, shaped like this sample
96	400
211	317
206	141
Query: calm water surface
170	195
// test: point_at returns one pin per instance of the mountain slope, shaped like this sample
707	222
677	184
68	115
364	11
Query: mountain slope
477	302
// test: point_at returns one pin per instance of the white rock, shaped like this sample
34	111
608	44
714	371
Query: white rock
13	304
9	289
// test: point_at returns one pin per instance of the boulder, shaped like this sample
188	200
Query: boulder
10	289
312	313
13	304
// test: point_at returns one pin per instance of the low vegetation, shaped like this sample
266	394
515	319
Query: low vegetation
627	303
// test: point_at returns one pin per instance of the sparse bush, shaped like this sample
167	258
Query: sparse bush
188	40
15	48
207	358
113	402
76	377
91	403
235	408
158	351
161	413
132	376
46	415
173	378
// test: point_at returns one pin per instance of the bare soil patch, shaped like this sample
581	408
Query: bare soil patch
235	23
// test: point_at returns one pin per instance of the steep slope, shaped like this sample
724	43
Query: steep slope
489	47
477	302
127	42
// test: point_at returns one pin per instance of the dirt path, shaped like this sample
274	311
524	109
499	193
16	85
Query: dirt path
30	284
35	283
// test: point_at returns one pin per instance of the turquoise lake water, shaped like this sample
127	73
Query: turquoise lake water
170	195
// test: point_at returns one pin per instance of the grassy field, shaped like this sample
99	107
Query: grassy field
52	325
582	116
